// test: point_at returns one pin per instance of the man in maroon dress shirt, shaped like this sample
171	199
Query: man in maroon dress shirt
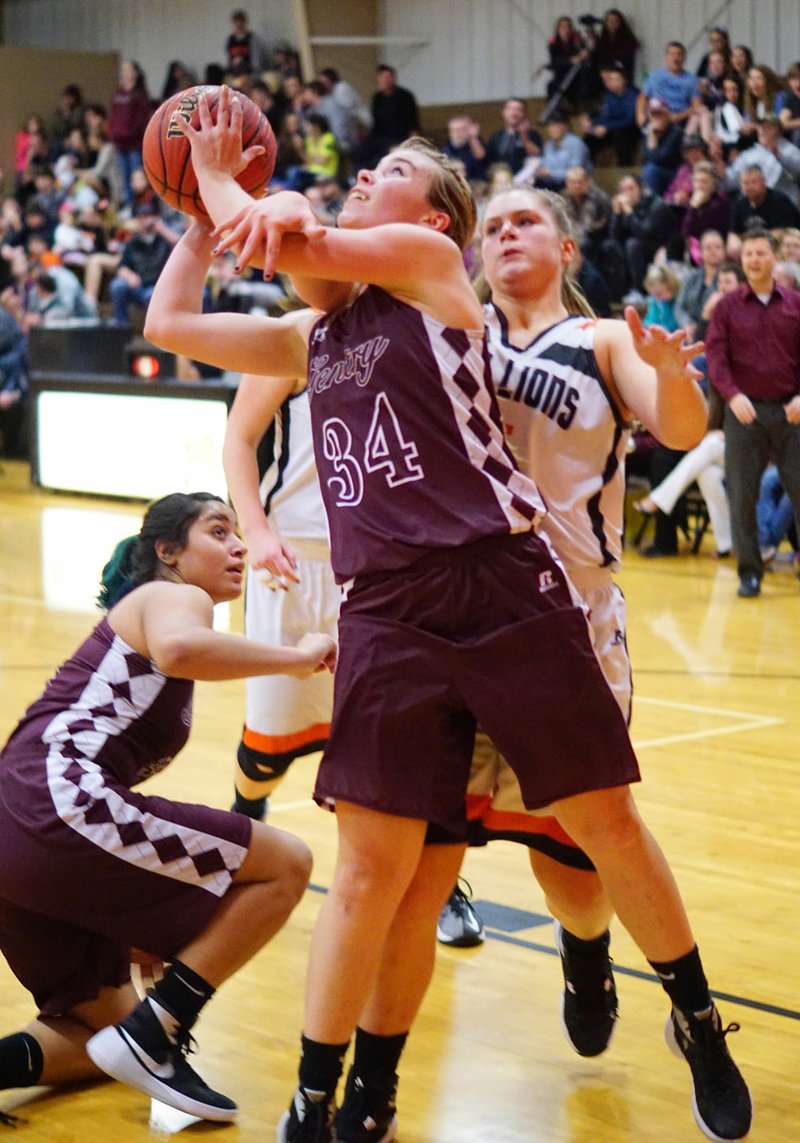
753	352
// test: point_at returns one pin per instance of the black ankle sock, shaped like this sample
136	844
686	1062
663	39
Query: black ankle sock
21	1061
377	1057
684	982
183	993
255	808
321	1065
588	950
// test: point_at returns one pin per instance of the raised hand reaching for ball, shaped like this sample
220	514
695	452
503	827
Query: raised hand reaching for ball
169	164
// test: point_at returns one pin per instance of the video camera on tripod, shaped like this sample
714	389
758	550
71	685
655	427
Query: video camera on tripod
590	22
591	25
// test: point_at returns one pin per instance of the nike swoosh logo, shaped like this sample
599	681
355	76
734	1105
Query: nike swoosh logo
160	1071
196	991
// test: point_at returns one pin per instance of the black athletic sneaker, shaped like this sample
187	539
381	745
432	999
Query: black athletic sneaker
308	1120
459	925
589	1001
721	1101
368	1115
138	1052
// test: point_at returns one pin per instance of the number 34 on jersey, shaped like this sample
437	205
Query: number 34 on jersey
386	453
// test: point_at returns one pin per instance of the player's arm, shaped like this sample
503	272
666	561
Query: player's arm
257	402
321	295
177	626
240	342
217	158
417	263
651	371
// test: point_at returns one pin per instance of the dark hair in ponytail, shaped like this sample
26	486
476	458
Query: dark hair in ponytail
134	560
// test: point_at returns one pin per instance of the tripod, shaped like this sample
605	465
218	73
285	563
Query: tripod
558	95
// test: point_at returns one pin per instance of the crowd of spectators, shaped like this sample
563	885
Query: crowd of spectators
706	156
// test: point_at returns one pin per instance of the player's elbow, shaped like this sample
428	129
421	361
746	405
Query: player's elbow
164	330
155	327
176	657
685	442
685	436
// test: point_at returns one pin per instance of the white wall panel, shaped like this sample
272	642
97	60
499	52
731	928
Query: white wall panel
150	31
473	50
484	49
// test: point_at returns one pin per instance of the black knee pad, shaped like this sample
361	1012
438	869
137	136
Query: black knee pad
261	767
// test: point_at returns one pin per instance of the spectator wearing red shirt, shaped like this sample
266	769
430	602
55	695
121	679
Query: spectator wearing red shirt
131	108
753	352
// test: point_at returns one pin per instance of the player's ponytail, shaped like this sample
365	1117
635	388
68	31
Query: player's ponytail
573	298
116	578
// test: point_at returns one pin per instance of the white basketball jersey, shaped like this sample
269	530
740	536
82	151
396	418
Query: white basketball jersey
566	433
289	485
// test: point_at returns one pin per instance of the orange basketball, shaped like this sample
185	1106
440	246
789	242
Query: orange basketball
167	153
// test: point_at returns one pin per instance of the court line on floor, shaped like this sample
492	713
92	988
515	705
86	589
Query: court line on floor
703	673
622	970
751	722
747	721
640	974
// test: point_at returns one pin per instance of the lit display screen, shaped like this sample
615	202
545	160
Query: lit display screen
115	444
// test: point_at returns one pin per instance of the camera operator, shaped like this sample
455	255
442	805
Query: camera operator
567	54
611	41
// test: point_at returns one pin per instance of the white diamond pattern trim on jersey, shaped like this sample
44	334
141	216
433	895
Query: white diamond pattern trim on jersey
79	792
113	669
507	481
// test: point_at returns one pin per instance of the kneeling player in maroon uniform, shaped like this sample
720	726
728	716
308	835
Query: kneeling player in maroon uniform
90	867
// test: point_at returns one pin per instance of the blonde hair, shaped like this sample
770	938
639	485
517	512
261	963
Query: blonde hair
449	191
572	296
706	168
662	276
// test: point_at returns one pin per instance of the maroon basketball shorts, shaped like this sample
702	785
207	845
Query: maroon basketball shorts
73	902
488	633
494	803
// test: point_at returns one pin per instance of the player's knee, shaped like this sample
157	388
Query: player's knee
297	869
285	863
605	821
259	766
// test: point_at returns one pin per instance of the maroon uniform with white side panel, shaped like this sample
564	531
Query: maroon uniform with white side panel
88	866
455	610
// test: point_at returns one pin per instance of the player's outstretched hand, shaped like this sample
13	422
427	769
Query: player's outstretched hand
664	351
258	229
318	653
218	146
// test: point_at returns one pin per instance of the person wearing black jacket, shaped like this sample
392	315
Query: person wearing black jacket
395	116
641	222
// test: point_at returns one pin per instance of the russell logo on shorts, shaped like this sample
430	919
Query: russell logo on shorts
546	582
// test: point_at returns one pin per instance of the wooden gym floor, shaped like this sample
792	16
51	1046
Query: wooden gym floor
717	722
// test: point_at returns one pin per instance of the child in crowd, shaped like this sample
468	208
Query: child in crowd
662	285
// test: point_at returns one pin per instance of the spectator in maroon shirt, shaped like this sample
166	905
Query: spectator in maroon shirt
753	351
131	108
708	206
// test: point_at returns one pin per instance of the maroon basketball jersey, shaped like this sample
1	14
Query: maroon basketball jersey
107	707
408	438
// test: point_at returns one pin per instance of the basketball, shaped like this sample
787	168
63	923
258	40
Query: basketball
167	153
